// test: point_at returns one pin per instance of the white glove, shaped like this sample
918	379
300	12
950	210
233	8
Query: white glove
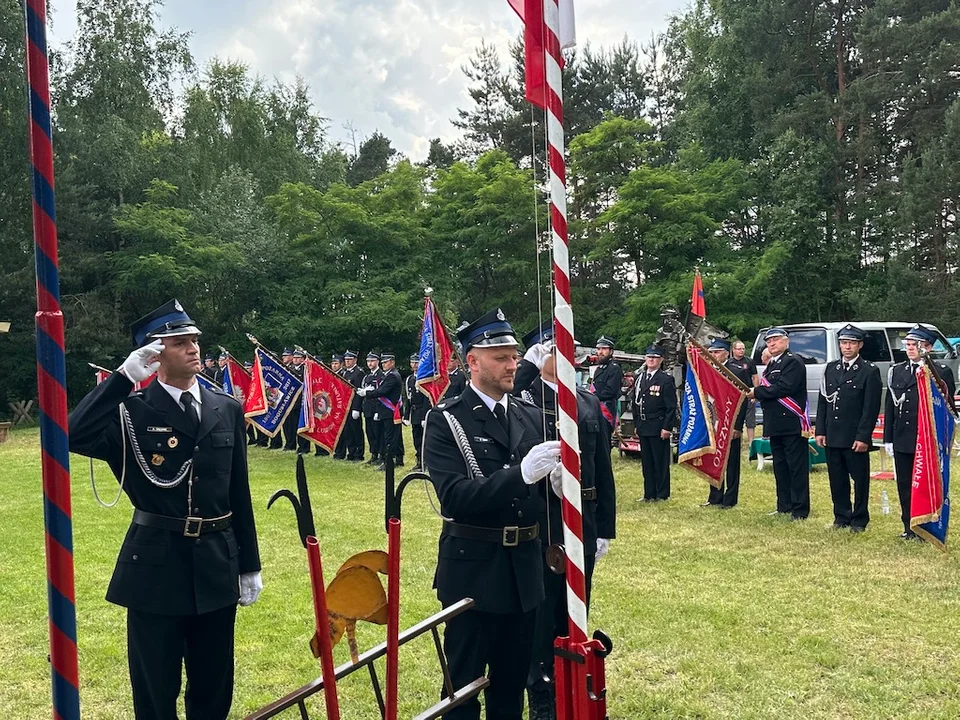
362	391
423	423
376	416
540	461
603	547
889	448
355	414
142	362
556	480
538	355
406	423
250	586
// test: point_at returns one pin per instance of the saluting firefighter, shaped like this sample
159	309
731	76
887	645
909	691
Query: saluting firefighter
900	413
846	417
353	374
485	455
190	553
783	398
599	508
655	417
386	394
727	495
607	380
415	408
372	409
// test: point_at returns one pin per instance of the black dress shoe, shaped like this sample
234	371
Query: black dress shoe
837	526
727	507
857	529
797	518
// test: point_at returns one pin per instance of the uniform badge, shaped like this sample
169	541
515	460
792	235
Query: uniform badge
177	306
157	460
500	316
172	442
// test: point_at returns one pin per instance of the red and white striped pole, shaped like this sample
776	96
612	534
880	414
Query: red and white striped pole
563	331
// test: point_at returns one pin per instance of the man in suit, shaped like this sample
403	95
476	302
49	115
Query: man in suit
846	416
372	409
191	552
415	408
655	417
900	414
727	495
607	380
783	398
598	507
386	394
353	374
485	455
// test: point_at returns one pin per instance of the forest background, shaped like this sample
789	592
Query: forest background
806	156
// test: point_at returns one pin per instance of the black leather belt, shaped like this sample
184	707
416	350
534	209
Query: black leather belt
509	536
589	493
191	527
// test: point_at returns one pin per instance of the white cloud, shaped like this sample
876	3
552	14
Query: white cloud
387	65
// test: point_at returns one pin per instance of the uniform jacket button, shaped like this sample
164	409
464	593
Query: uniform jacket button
136	557
519	513
196	448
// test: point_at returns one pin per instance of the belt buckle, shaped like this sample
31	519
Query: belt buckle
511	531
188	530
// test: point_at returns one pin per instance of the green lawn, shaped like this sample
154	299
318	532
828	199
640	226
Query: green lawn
714	614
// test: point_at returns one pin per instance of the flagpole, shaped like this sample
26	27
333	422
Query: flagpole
563	330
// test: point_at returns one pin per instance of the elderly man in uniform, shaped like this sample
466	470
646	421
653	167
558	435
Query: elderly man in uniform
846	416
607	380
190	553
599	507
415	408
655	417
900	414
727	495
783	398
485	455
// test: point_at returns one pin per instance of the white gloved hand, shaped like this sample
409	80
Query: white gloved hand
603	547
889	448
142	362
538	355
250	586
423	423
355	414
556	480
376	416
540	461
362	391
406	423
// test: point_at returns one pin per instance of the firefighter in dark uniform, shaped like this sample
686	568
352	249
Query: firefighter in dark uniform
292	423
458	379
190	553
727	495
415	408
785	379
846	417
353	429
386	395
485	455
221	370
599	509
607	380
340	451
277	441
372	409
209	368
900	413
655	417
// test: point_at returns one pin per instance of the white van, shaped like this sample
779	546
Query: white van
817	345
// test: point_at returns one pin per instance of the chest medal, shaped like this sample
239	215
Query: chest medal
173	442
157	460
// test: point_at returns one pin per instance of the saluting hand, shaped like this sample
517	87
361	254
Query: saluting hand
142	362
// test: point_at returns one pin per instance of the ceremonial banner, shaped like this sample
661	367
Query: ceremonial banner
206	382
930	496
325	407
708	414
435	353
697	305
273	392
236	380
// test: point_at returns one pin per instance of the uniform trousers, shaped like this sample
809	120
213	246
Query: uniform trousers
290	428
417	429
903	465
353	431
159	646
655	460
791	471
474	641
844	465
374	436
728	493
391	439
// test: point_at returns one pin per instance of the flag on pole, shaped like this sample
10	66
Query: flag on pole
325	407
236	380
708	415
930	496
435	353
697	305
534	44
206	383
273	392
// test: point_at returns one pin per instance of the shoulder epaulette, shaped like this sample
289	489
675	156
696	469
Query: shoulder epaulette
448	403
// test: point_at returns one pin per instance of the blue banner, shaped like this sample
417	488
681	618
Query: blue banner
696	437
206	382
281	389
943	426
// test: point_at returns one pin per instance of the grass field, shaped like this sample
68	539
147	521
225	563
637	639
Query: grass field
714	614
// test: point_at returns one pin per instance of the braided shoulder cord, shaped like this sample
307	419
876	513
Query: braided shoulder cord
460	436
185	469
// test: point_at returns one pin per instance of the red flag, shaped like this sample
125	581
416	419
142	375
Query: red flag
326	405
237	380
103	374
697	305
256	403
435	353
534	63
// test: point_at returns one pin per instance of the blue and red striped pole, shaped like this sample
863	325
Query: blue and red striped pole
51	381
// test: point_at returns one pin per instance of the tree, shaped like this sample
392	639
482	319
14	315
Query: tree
372	160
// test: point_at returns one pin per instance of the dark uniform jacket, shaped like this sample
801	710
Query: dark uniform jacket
743	373
416	404
371	405
458	383
354	376
849	403
788	378
900	409
654	403
390	388
607	381
499	579
161	571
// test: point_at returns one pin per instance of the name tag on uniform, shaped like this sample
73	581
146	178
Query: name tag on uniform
158	429
482	440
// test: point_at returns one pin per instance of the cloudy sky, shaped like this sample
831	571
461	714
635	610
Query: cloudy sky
387	65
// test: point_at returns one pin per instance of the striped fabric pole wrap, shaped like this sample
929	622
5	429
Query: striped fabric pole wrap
51	381
563	331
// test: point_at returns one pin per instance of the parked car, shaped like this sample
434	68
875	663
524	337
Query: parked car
817	345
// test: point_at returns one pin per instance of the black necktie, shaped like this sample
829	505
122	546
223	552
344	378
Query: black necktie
913	367
502	418
190	411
